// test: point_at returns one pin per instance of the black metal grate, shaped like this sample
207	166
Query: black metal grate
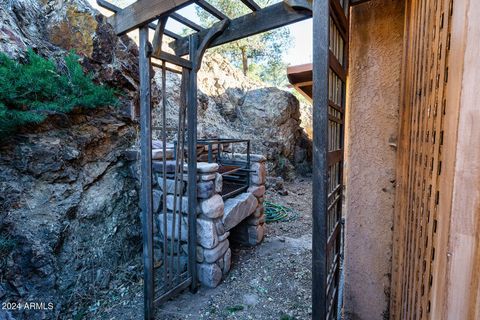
233	156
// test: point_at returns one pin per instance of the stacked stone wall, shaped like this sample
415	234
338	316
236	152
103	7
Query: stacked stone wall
240	218
251	230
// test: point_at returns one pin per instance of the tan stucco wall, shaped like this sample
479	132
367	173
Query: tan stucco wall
376	46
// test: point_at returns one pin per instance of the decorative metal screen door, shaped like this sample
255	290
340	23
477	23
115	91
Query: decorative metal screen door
167	275
169	256
329	107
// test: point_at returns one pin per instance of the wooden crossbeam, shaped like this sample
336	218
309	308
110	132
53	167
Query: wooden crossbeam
252	5
170	34
142	12
185	21
211	9
160	66
274	16
173	59
111	7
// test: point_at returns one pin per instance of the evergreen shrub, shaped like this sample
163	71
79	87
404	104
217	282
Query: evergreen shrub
31	91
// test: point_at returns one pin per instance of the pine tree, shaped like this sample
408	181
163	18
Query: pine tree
31	91
257	54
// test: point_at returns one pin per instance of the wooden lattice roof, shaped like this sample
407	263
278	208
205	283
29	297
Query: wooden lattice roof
155	13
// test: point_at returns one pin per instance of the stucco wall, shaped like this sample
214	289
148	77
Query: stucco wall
376	44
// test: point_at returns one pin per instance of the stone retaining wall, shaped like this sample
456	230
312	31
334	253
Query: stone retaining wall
240	219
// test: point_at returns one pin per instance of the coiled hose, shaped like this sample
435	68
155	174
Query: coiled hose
278	213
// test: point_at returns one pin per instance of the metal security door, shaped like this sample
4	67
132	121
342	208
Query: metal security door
330	74
168	213
170	231
337	76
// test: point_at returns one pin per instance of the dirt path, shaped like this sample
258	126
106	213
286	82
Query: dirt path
270	281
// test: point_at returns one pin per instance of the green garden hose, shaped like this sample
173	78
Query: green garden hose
278	213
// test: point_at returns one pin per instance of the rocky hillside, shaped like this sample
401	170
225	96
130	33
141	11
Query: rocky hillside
69	221
233	106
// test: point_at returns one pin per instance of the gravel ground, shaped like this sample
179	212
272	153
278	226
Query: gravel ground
270	281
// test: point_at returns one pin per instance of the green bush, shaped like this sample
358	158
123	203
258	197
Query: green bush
31	91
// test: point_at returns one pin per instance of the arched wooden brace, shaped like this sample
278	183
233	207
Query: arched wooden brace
196	56
158	36
213	32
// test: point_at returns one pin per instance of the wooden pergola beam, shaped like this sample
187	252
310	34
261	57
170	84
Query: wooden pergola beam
111	7
211	9
252	5
274	16
143	11
168	33
192	25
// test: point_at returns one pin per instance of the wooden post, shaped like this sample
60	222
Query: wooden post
320	148
146	172
192	163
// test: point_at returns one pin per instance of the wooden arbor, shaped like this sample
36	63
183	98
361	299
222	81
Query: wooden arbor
153	14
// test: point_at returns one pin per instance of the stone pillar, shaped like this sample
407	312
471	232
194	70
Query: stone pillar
213	247
176	243
251	230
